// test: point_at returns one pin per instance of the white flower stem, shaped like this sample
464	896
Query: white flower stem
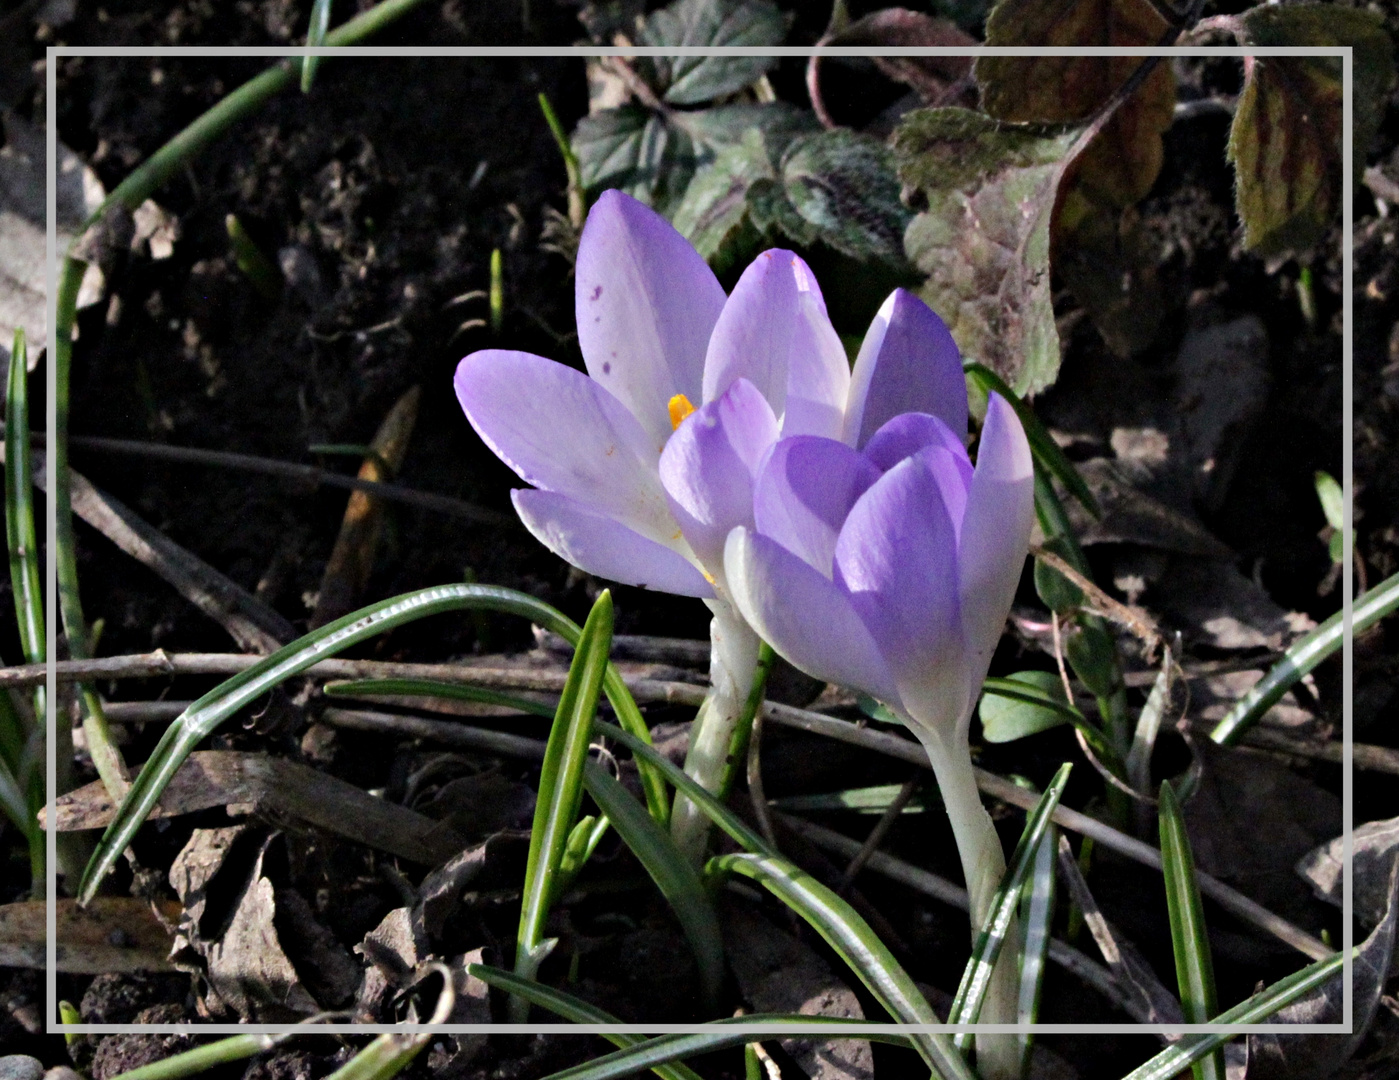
733	659
983	866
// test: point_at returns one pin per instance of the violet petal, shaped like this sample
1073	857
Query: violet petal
907	363
803	615
995	534
646	304
804	492
603	546
709	465
560	430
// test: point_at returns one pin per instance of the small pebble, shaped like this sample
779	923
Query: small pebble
21	1067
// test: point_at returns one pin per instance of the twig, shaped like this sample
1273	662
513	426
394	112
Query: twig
878	833
250	622
308	474
1128	969
1134	619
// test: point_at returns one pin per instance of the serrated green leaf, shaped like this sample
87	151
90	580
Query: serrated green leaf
1121	163
1005	718
844	184
773	214
636	151
983	240
1285	141
692	80
714	212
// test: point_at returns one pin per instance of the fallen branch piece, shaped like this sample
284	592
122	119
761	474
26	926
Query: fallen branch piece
286	791
113	933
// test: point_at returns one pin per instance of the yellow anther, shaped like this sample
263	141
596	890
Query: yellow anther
680	408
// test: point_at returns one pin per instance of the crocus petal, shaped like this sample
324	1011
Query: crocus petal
897	558
803	615
804	492
907	363
995	534
774	332
709	465
646	304
603	546
563	432
908	434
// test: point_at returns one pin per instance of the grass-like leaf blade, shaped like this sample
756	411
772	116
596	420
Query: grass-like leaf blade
1257	1009
1305	653
362	688
561	790
203	1058
855	943
315	37
19	509
1046	451
667	1048
718	813
976	977
678	881
1036	917
206	714
575	1009
1189	940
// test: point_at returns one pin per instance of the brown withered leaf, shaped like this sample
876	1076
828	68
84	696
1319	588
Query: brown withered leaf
930	76
983	240
1285	142
113	933
1122	162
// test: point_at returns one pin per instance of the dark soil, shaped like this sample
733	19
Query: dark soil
390	185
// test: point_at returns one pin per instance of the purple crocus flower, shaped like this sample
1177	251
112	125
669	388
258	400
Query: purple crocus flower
658	339
890	567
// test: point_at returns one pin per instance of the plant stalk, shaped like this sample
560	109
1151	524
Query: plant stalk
983	866
733	661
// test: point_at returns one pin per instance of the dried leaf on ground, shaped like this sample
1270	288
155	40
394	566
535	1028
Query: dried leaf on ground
1374	850
113	933
1285	142
1251	819
352	559
1218	606
257	941
285	790
1313	1057
983	240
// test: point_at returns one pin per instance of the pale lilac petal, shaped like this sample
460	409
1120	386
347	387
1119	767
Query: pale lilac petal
912	433
803	615
818	374
908	363
752	338
774	332
897	558
563	432
646	304
591	541
805	490
709	465
995	534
